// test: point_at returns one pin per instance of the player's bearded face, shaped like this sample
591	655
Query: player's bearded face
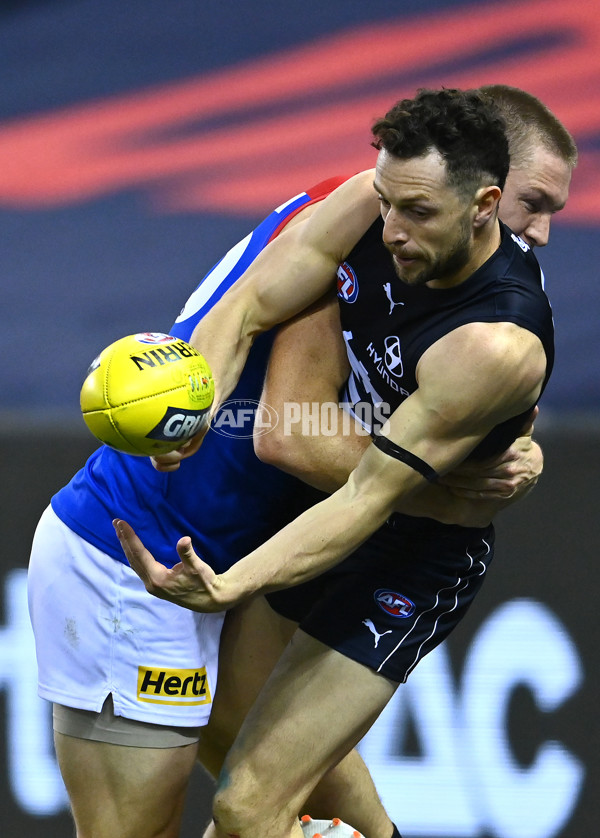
440	264
427	222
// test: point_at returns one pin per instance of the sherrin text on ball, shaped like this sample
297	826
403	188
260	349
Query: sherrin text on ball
147	394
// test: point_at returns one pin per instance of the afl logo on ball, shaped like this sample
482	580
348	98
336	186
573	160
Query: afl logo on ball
154	337
394	604
347	283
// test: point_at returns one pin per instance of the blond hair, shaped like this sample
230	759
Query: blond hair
529	124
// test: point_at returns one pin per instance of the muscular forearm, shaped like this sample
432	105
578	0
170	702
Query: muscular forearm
224	337
293	271
314	542
310	545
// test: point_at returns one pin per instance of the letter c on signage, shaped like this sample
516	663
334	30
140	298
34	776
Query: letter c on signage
521	644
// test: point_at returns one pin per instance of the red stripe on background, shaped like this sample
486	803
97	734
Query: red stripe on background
81	153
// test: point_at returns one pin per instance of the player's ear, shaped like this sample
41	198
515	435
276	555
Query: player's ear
486	204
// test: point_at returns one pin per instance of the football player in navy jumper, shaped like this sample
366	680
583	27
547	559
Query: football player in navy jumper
452	330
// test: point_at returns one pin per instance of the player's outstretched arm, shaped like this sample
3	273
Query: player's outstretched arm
441	422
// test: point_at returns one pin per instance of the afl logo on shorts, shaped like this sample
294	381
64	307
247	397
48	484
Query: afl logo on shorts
347	283
394	604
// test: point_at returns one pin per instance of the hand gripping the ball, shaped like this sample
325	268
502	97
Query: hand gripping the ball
192	583
171	460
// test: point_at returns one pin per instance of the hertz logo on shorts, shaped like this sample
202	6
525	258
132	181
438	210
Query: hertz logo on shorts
173	686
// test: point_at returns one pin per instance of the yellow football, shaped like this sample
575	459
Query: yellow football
147	394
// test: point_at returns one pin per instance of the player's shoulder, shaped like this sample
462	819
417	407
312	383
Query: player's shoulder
493	340
346	214
360	185
355	191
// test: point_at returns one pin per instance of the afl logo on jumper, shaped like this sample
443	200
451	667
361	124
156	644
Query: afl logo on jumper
394	604
393	356
347	283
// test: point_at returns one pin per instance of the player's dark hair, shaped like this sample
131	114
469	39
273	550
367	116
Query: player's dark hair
464	126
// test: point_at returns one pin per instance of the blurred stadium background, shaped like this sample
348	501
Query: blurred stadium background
141	139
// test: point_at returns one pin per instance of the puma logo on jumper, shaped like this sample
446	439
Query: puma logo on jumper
387	287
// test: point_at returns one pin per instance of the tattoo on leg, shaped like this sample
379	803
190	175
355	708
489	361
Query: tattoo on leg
223	780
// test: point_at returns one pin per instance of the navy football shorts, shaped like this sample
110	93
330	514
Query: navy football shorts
397	597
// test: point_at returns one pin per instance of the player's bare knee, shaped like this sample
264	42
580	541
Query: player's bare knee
228	814
234	804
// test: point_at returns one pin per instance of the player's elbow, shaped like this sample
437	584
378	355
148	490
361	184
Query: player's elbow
270	448
284	451
290	453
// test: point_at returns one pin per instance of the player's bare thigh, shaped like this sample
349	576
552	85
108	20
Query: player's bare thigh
126	791
252	641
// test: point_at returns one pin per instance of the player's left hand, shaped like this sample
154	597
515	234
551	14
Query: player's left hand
509	475
192	583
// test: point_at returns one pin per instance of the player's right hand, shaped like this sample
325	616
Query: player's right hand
192	583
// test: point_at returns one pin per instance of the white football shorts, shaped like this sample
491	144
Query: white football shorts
99	632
